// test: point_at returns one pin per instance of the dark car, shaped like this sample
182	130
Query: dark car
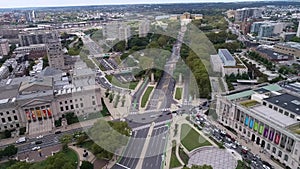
57	132
39	142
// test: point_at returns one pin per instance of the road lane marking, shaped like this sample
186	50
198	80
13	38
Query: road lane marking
123	166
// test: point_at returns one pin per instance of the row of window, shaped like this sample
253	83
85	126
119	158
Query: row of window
280	110
7	113
9	119
9	127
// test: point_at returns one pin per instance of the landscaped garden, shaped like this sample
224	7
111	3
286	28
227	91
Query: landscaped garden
146	96
191	139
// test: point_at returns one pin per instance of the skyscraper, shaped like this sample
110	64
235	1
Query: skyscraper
298	31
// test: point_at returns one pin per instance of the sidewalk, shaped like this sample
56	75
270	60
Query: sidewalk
80	151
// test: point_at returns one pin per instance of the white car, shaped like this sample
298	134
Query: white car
39	137
36	148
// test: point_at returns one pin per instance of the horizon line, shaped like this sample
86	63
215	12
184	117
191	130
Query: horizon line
116	4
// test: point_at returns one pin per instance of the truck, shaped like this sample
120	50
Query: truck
21	140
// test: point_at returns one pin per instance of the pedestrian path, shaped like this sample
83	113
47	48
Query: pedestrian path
80	151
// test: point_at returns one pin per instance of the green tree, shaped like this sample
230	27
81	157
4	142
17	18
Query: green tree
86	165
65	140
10	150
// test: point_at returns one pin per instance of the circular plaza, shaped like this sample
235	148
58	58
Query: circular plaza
215	157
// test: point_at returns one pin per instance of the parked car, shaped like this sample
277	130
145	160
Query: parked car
57	132
39	137
36	148
39	142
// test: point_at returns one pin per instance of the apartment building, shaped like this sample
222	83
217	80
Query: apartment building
4	47
288	48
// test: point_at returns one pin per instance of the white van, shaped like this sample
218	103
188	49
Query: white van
21	140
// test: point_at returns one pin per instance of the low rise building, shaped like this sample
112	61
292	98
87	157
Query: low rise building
37	102
289	48
267	116
4	72
226	64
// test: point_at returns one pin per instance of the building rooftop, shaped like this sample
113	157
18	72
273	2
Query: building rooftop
274	116
295	87
248	93
286	101
294	45
227	54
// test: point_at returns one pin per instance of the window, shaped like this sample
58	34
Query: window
3	120
14	111
292	116
93	97
61	109
67	108
11	126
15	117
66	102
275	108
296	151
60	103
94	103
280	111
264	103
76	106
279	154
81	104
286	157
71	101
274	150
80	99
286	113
75	100
9	119
270	106
268	146
7	112
1	114
17	125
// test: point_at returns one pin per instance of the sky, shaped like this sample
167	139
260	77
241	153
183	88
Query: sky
45	3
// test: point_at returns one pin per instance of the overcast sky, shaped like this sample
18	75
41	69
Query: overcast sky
43	3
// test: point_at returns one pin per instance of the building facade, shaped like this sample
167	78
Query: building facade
289	48
37	102
266	116
4	47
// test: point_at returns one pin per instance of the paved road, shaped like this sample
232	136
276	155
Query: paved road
133	150
155	153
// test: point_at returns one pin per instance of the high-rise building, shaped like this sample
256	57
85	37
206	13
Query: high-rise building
245	13
54	52
266	31
144	28
116	30
4	47
298	31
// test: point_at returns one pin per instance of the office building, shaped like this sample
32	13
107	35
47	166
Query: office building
267	116
55	52
116	30
266	31
289	48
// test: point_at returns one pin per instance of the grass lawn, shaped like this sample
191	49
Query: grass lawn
146	96
191	139
116	82
178	93
174	163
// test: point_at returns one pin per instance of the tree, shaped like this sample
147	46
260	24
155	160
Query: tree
65	140
107	93
10	150
111	97
86	165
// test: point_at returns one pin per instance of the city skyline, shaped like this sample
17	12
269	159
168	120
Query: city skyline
59	3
